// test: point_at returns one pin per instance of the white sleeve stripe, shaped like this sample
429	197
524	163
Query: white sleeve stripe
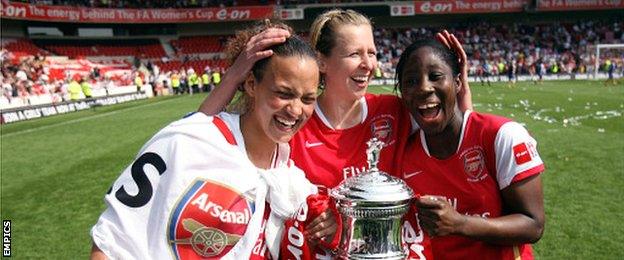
510	163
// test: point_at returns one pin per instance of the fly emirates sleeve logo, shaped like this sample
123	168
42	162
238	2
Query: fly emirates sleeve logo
208	220
522	154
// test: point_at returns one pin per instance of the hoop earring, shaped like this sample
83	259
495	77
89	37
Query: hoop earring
322	83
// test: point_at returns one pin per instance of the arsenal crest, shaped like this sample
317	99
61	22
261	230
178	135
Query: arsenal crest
474	163
381	129
208	221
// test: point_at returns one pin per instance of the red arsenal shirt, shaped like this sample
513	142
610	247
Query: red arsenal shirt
328	156
493	153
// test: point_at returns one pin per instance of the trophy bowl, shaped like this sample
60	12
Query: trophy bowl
372	206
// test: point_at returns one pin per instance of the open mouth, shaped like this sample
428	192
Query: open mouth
285	124
429	110
360	80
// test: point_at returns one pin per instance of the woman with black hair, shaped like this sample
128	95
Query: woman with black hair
479	174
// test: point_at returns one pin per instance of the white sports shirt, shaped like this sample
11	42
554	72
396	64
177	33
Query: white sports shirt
193	193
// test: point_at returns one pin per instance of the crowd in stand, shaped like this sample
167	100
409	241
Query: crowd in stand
493	50
23	79
28	77
518	49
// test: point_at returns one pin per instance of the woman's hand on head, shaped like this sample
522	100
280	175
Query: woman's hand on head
464	96
438	217
322	227
255	49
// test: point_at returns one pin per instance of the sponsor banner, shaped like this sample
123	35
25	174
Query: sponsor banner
31	112
569	5
469	6
402	10
291	14
22	11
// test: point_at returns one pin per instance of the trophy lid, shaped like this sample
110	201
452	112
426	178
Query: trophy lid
374	185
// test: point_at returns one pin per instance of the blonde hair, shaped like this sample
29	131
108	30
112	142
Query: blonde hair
324	27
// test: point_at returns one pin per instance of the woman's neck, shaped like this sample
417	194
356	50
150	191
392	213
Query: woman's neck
340	113
444	144
259	147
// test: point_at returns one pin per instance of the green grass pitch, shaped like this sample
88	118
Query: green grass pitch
55	171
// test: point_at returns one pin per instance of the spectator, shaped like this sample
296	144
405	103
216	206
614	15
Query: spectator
86	86
175	82
205	79
193	81
611	65
7	89
216	77
138	82
74	90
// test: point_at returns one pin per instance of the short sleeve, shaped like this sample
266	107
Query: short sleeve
516	155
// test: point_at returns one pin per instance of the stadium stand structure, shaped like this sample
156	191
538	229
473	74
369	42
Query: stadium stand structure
22	47
199	44
154	50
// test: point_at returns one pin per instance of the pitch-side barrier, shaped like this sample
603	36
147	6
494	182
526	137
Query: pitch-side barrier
45	110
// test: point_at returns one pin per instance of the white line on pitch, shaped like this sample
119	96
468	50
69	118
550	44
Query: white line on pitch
84	118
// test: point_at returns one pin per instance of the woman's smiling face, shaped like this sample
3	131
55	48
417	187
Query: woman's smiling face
429	89
284	99
350	65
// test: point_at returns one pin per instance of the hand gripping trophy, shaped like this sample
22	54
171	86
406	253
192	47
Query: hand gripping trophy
372	206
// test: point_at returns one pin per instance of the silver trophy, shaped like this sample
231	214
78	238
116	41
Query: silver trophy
372	205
